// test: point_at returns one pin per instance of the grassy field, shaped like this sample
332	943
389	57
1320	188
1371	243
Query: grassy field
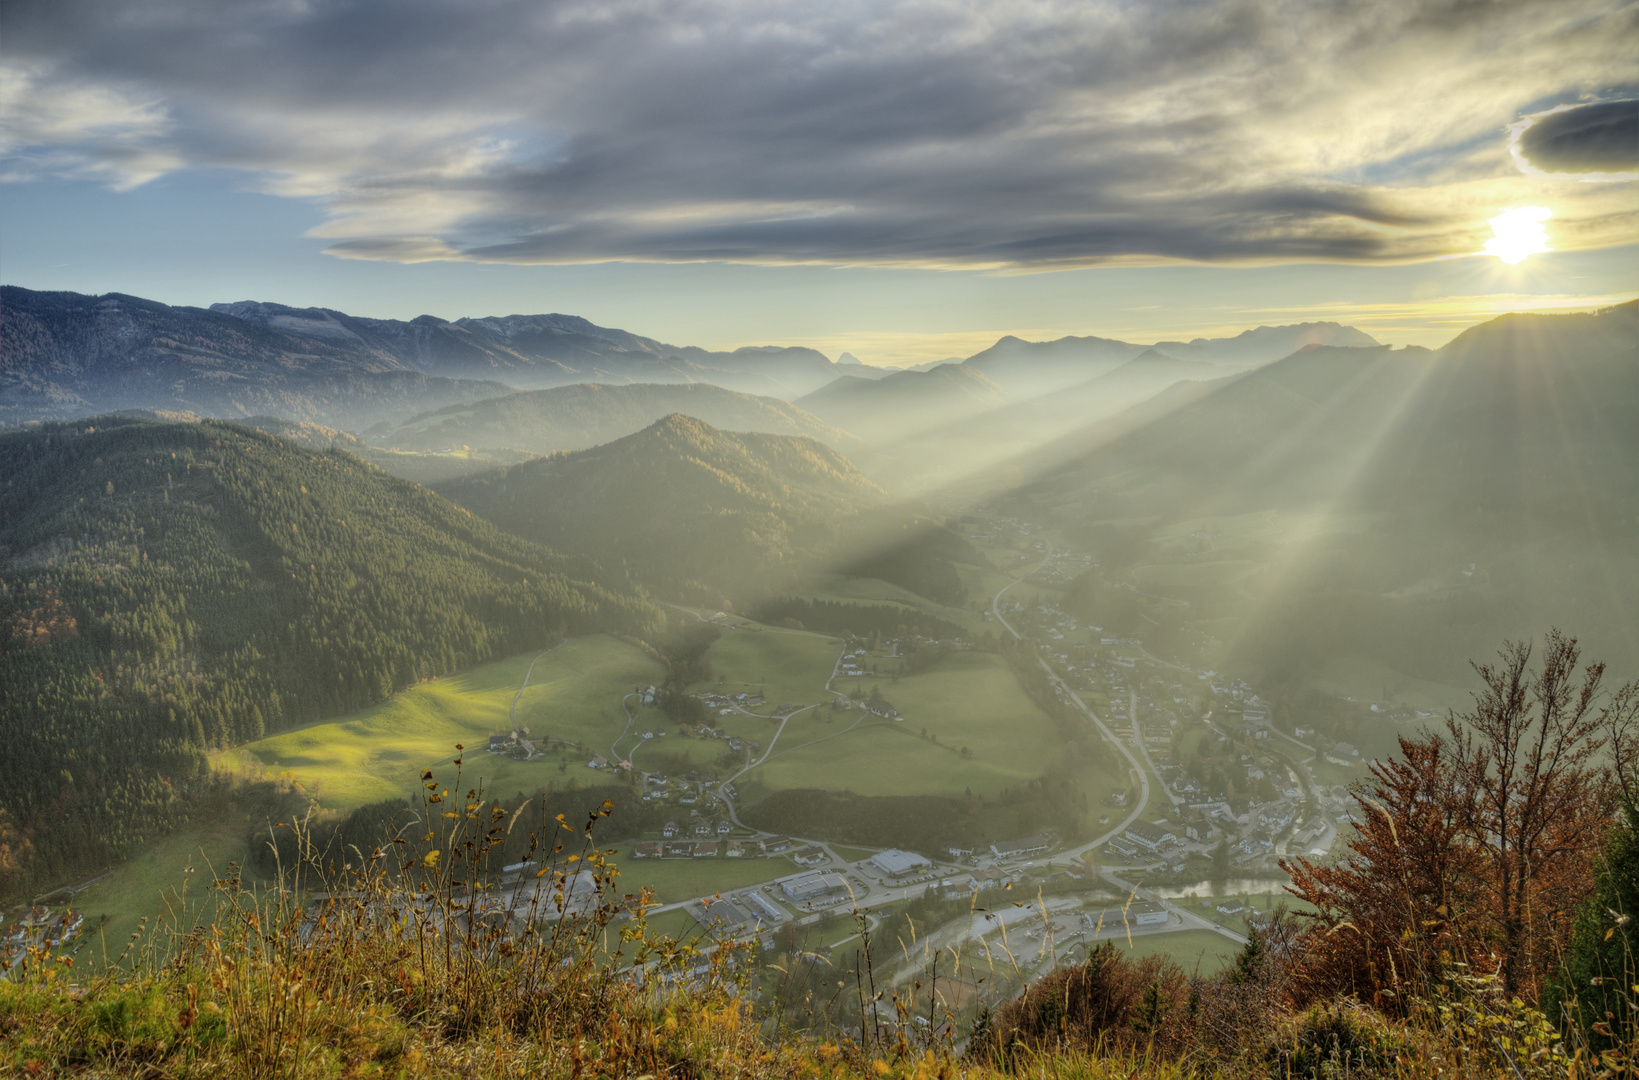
574	694
154	883
675	880
1192	950
968	699
782	665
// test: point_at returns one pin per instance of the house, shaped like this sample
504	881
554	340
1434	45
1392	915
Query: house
724	828
735	850
776	844
960	852
994	877
808	856
1017	849
702	829
705	849
498	743
898	864
1150	835
670	830
647	849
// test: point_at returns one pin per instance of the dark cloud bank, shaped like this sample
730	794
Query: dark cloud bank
961	134
1598	138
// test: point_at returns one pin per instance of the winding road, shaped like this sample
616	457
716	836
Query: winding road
1143	776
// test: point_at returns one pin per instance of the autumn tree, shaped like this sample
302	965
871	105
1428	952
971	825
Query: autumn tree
1536	796
1384	914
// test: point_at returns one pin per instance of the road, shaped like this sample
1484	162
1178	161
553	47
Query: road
512	712
769	752
1053	676
1138	737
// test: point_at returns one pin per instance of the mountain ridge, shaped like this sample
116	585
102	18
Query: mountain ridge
698	509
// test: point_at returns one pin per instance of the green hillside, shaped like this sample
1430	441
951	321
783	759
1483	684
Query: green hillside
170	588
683	505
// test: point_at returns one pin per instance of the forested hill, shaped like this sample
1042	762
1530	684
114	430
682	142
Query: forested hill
167	588
683	505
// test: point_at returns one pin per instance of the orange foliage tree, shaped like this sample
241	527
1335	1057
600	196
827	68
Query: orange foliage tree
1476	846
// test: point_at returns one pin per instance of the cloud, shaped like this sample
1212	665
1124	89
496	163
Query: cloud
1600	138
942	133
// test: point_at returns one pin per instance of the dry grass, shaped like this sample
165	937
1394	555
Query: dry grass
418	959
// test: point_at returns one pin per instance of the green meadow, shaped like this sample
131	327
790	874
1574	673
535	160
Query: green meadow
1201	951
676	880
968	699
167	879
574	694
782	665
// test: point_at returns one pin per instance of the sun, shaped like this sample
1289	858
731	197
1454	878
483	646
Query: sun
1518	233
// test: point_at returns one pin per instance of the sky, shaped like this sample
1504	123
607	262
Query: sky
904	181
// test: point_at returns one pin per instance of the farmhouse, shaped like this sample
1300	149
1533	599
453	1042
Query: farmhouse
809	856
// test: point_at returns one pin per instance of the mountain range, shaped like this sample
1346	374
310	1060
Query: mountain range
66	355
1430	503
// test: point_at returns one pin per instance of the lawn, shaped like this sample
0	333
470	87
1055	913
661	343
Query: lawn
1192	950
675	880
782	665
968	699
574	694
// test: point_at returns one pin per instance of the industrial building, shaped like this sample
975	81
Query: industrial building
814	887
896	863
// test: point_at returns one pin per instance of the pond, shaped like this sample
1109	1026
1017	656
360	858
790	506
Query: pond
1232	887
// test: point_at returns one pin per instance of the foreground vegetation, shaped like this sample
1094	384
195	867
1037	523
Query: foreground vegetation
1451	943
